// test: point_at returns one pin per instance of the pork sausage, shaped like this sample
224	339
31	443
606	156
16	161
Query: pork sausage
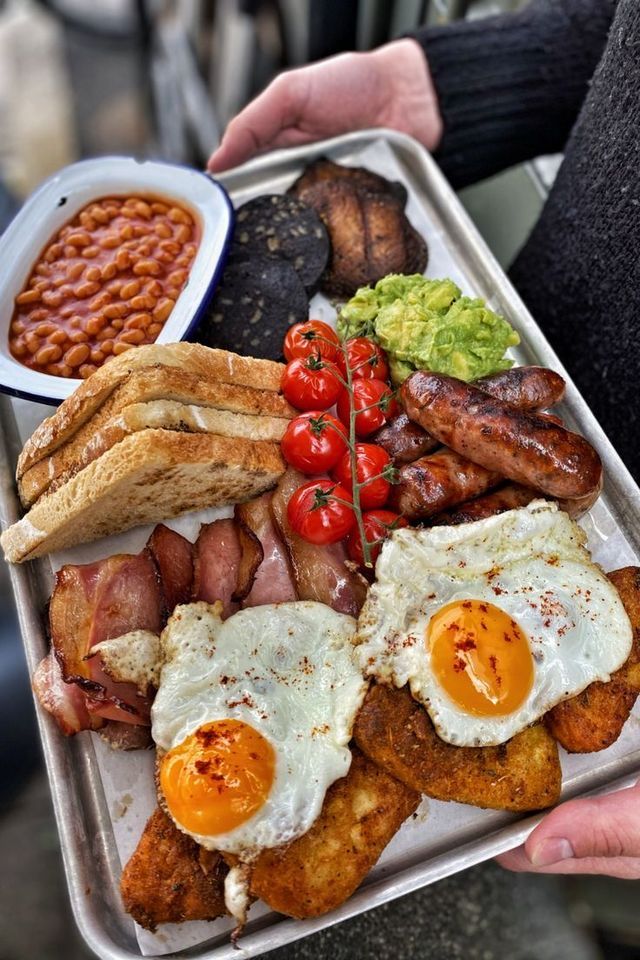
519	445
438	482
405	441
529	388
509	497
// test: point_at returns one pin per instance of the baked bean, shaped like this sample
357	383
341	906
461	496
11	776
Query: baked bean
87	221
131	336
92	274
143	302
110	242
100	301
43	329
115	310
153	288
177	277
48	354
107	333
93	325
87	289
27	296
130	289
81	239
77	354
164	308
146	268
51	298
138	320
75	271
72	316
178	215
123	260
53	252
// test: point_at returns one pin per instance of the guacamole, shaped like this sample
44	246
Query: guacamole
428	325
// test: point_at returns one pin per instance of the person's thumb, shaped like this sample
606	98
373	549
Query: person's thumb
590	835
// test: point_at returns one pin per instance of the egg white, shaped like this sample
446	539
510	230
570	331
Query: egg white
286	669
531	563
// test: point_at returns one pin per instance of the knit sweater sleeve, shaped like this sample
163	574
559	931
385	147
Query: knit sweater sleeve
510	87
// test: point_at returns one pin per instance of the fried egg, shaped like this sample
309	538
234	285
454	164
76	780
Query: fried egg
252	719
492	623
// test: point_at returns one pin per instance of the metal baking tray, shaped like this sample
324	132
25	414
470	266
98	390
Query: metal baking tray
449	837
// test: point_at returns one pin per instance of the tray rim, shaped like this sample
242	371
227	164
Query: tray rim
623	494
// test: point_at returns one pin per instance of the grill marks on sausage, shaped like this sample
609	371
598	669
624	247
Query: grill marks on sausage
516	444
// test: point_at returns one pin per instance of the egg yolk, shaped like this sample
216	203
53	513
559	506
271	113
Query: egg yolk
481	657
219	777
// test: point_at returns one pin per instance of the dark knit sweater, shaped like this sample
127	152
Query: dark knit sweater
511	88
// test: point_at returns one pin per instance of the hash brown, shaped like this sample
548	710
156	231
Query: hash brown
395	731
594	719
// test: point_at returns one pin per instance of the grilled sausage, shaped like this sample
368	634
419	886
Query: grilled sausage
508	497
438	482
405	441
528	388
519	445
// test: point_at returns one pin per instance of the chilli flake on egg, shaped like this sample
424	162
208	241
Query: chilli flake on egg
492	623
253	718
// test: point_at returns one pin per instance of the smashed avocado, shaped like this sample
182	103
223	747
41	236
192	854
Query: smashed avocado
428	325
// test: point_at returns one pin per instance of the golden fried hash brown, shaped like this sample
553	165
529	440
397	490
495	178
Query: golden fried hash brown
170	878
320	870
594	719
395	731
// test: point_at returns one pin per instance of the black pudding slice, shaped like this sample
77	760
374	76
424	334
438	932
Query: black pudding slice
254	306
282	227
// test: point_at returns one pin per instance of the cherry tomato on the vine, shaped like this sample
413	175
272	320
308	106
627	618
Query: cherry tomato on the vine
378	524
371	461
311	337
315	513
314	442
374	394
366	359
310	383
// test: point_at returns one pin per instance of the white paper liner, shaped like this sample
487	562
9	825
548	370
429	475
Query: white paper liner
127	778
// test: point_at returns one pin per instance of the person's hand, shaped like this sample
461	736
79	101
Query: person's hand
590	835
389	87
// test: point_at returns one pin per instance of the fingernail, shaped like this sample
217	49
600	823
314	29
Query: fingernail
551	850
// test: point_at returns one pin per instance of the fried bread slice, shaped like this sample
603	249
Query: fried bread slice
151	475
594	719
209	365
395	731
320	870
170	878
